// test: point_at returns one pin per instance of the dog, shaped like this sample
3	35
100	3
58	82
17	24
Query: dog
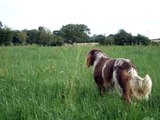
119	74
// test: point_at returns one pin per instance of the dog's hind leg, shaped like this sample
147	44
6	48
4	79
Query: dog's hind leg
124	81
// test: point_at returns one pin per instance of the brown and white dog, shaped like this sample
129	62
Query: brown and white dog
119	74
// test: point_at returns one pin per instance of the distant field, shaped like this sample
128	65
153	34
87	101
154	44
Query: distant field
53	83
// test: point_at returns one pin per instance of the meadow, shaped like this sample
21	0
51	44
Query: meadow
53	83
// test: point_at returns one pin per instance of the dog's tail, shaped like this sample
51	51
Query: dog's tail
140	87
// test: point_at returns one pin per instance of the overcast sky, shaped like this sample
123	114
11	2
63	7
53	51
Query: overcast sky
101	16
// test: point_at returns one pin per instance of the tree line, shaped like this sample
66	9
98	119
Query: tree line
70	34
122	38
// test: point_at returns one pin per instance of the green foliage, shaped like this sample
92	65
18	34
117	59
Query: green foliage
123	38
75	33
100	38
1	25
32	36
42	36
6	36
70	33
142	40
103	40
52	83
109	40
19	37
57	41
155	43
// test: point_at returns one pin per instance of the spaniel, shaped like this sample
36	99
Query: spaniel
119	74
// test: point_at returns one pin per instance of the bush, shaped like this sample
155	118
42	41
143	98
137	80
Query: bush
5	36
109	40
100	39
123	38
57	41
142	40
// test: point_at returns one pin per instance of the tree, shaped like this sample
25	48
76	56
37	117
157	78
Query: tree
6	36
123	38
56	41
75	33
100	38
32	36
142	40
45	36
109	40
1	25
42	35
19	37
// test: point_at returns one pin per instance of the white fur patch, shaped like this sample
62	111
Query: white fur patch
104	66
117	86
147	85
120	61
133	73
99	55
141	87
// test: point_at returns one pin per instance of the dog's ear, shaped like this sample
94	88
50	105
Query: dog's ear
91	57
88	60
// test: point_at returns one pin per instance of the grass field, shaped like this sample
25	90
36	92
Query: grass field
53	83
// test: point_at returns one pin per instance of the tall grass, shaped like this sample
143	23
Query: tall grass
53	83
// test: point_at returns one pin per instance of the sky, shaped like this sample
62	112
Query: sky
101	16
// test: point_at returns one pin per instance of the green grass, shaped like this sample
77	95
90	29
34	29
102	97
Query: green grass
53	83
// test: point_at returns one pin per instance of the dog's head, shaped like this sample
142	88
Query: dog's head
91	57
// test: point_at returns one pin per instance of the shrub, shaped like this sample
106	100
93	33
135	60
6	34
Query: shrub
142	40
100	39
123	38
